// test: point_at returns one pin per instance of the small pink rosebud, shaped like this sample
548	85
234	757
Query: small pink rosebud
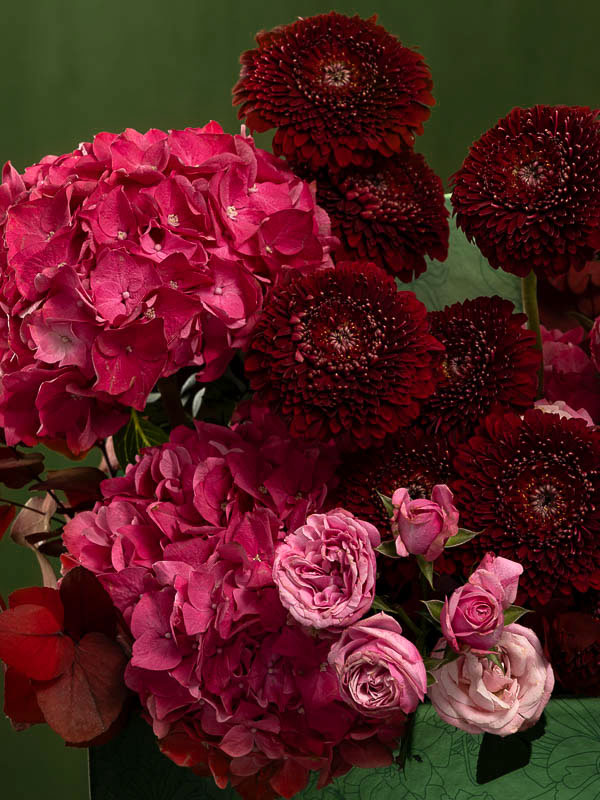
500	576
472	617
424	526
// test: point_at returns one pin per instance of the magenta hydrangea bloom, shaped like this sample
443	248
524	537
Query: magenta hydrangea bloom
185	544
131	257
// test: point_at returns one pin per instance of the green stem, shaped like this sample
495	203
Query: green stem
407	621
530	307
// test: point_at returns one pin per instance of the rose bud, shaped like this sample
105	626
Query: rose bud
472	617
500	576
380	671
424	526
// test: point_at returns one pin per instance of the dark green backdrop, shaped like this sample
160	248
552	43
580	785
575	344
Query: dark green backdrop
71	68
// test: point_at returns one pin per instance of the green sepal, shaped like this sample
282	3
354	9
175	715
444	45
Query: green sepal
426	568
461	537
513	613
388	549
387	502
434	607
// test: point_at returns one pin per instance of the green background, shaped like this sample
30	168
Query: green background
71	68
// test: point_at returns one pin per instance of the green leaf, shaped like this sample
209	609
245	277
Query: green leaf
513	613
426	568
431	679
461	537
464	274
431	664
134	436
387	502
495	659
379	604
388	548
434	607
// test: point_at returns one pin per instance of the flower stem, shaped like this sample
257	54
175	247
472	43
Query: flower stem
407	621
171	397
530	307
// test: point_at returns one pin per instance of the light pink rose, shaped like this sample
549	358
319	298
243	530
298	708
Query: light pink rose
475	695
424	526
472	617
325	570
563	410
380	671
500	576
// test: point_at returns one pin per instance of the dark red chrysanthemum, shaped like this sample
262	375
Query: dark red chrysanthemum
528	193
337	88
343	353
573	646
392	213
532	484
411	460
490	361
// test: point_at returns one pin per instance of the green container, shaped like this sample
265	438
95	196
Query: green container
563	764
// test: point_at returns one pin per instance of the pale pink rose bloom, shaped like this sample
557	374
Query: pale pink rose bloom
325	570
424	526
500	576
563	410
475	695
472	617
380	671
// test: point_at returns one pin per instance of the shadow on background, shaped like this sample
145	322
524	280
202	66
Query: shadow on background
71	68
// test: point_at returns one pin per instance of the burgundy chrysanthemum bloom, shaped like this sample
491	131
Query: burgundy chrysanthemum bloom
490	361
573	646
392	213
337	88
343	353
532	484
528	193
413	460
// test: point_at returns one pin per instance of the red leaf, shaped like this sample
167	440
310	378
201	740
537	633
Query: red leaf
20	703
39	596
80	484
18	469
84	702
7	514
32	642
88	607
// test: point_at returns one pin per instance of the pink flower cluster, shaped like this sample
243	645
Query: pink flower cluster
131	257
501	681
185	544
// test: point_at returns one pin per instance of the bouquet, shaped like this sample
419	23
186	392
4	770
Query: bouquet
317	504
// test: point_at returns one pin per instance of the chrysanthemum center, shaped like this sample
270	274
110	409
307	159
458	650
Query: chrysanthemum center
338	334
337	74
382	195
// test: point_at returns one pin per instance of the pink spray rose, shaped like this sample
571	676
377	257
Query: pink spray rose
477	696
424	526
325	570
380	671
474	614
569	373
500	576
472	617
563	410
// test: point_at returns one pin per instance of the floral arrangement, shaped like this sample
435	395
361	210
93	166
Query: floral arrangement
318	504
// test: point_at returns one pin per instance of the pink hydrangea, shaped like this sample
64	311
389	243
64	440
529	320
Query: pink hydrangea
185	544
131	257
569	373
